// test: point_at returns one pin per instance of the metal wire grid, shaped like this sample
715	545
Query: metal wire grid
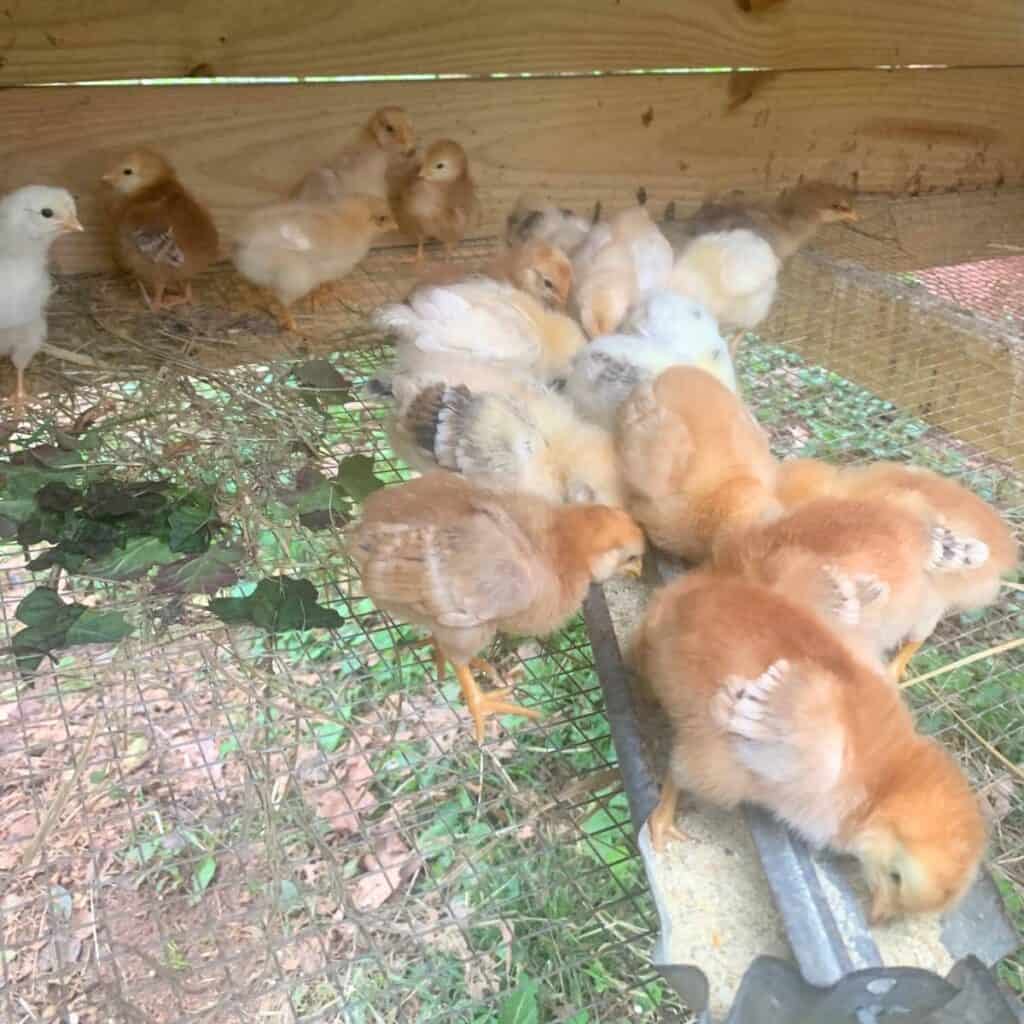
993	288
370	863
514	859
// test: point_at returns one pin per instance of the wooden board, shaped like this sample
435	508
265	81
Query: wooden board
57	41
575	140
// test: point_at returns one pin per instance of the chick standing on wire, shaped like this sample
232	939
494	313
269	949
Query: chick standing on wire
439	201
31	219
293	247
466	563
162	235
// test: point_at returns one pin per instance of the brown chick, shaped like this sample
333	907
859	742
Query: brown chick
162	234
868	567
439	200
696	464
466	563
769	706
536	267
374	163
292	248
990	548
787	224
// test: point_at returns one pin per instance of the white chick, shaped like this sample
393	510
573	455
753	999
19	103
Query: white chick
293	247
663	330
528	441
733	273
31	219
486	320
620	262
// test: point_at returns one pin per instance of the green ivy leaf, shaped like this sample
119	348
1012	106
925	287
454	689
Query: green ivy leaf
135	559
520	1007
94	627
320	376
278	603
205	573
192	521
203	874
355	475
41	606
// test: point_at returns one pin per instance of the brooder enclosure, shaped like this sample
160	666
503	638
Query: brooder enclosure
232	789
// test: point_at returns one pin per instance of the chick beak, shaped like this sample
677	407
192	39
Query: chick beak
71	223
108	178
850	217
410	150
634	567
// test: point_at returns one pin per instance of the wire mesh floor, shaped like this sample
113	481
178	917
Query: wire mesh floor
208	823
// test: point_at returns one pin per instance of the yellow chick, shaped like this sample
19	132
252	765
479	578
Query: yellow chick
769	706
466	563
162	235
990	550
291	248
696	464
374	163
619	262
439	201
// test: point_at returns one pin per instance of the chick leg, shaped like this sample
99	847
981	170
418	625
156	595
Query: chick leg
481	705
152	302
898	665
419	251
734	342
18	400
440	661
184	299
662	822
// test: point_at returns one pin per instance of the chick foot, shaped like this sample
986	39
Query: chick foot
440	661
482	705
898	665
662	820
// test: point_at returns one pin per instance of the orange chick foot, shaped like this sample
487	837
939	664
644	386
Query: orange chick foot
662	821
482	705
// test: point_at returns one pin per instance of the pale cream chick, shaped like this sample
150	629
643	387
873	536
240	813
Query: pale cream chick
162	233
374	163
696	464
439	200
868	567
990	549
466	563
619	262
486	320
525	440
769	706
291	248
729	253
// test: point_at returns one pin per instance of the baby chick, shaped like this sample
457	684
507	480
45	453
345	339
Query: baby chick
547	223
439	201
619	262
31	219
486	320
162	235
662	330
293	247
725	250
869	567
534	266
374	163
770	707
990	553
527	441
466	563
696	464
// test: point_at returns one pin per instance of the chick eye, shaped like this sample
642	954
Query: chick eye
548	283
46	212
895	877
439	167
127	170
389	128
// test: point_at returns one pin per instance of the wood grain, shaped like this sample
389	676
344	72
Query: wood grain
574	140
61	41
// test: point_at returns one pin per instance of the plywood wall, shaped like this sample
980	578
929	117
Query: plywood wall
820	110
